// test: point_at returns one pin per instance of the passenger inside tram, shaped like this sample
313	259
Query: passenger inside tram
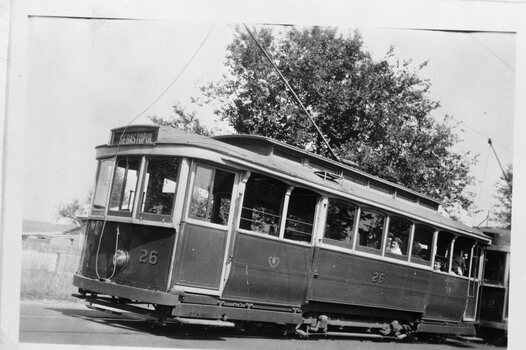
394	246
459	265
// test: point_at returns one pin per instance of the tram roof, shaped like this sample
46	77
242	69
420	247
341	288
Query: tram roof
268	146
501	238
263	153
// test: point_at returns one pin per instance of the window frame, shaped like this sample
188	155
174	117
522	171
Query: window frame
431	248
502	255
450	252
242	206
407	259
283	213
286	207
370	250
407	255
161	218
131	213
471	250
102	212
189	191
323	228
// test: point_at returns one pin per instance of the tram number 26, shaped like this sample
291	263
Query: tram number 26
378	277
150	257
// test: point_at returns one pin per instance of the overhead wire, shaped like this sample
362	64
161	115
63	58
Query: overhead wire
493	53
293	93
504	175
487	159
474	130
176	77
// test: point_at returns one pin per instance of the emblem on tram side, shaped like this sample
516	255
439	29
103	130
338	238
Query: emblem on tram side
273	261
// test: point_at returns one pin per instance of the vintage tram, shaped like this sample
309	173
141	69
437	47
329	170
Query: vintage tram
234	229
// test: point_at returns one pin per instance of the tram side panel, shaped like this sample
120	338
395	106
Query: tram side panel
268	271
447	297
343	278
350	279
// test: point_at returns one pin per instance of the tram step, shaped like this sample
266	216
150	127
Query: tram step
467	338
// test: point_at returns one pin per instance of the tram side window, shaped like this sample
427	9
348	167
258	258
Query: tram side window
160	184
300	215
422	243
443	252
124	185
495	267
370	230
398	237
263	204
102	186
462	256
211	195
340	221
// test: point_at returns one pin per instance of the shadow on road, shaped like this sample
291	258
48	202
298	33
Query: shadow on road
207	333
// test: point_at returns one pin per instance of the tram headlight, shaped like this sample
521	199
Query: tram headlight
120	259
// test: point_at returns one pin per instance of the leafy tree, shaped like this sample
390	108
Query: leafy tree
73	210
504	196
374	113
182	120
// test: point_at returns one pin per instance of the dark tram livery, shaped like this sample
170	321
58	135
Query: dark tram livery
494	299
236	229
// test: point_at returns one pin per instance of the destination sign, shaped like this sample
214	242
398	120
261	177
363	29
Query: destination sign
134	137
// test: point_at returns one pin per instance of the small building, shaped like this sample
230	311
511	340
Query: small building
50	237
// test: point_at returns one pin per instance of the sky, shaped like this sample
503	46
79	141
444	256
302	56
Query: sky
88	76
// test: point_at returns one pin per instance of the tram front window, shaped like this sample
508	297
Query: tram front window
124	185
160	185
102	187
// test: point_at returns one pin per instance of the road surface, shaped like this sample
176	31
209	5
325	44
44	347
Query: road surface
73	323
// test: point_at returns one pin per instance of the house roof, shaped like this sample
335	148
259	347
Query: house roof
33	226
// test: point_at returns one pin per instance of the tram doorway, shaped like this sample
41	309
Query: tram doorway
202	238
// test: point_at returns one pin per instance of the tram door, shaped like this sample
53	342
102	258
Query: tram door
202	237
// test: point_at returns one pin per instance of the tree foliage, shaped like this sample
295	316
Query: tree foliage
374	113
504	196
182	120
73	210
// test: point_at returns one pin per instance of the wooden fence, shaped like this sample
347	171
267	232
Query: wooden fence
48	266
53	262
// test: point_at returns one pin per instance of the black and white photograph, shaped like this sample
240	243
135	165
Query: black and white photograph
255	175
